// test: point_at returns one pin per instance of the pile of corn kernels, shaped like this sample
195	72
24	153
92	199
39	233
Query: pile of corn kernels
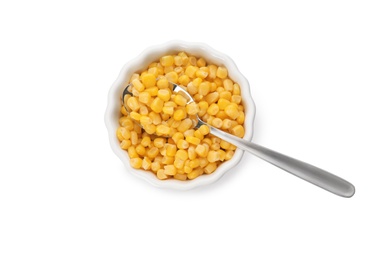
158	132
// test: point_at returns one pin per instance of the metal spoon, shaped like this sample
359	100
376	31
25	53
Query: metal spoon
307	172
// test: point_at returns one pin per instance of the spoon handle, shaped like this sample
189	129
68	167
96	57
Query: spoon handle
307	172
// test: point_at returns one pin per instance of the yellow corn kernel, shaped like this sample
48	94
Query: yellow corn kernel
145	120
140	150
210	168
204	88
132	103
196	82
172	76
168	110
192	89
201	73
209	119
241	118
217	122
241	108
179	114
201	62
198	134
224	144
150	128
181	154
215	146
180	100
189	132
213	109
201	150
183	80
144	97
236	89
138	85
234	123
136	163
123	111
203	106
212	156
212	97
195	173
191	153
134	76
161	175
177	60
203	162
162	130
180	176
226	95
228	84
222	72
178	163
149	80
207	141
187	169
197	97
169	170
232	111
162	83
213	87
192	108
146	142
159	142
238	130
156	118
236	99
204	129
168	69
132	153
191	71
123	134
167	160
143	110
212	71
193	140
222	115
157	105
223	103
229	155
167	60
125	121
179	71
226	124
153	71
192	60
146	163
164	94
182	144
125	144
194	163
177	136
153	152
219	84
155	166
152	91
220	89
184	125
170	149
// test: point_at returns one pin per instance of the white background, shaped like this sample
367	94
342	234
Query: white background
319	74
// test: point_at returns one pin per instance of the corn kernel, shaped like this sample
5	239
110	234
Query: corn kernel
161	175
222	72
157	105
132	153
155	166
238	130
140	150
172	76
236	89
229	155
124	133
207	141
204	129
232	111
241	118
159	142
223	103
178	163
170	149
156	118
152	152
182	155
212	71
154	71
145	120
195	173
191	153
150	129
215	146
132	103
201	73
212	156
123	111
145	142
167	60
187	169
222	155
236	99
152	91
203	162
180	176
193	140
191	71
168	110
138	85
162	130
204	88
134	76
192	89
213	109
179	114
192	60
201	62
125	144
143	110
194	163
196	82
136	163
198	134
177	136
212	97
217	122
167	160
189	132
164	94
226	95
149	80
228	85
183	80
201	150
210	168
192	108
178	61
224	144
146	163
185	125
162	83
182	144
180	100
169	170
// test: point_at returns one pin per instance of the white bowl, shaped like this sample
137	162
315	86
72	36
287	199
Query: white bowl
140	63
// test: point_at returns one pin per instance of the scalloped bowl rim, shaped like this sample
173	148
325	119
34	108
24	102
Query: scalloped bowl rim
139	63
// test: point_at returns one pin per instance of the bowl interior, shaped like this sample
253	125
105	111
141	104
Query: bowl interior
139	64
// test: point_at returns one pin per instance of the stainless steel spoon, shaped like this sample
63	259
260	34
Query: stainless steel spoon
305	171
